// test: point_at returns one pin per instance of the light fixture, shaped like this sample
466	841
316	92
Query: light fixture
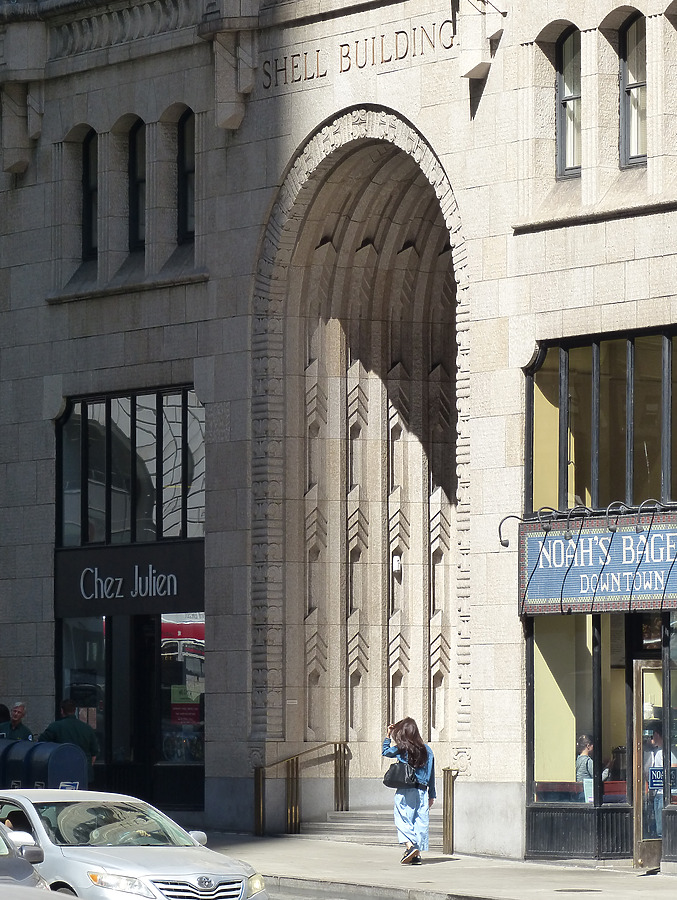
504	541
397	564
585	510
657	505
621	506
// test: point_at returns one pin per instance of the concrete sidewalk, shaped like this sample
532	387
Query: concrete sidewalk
318	868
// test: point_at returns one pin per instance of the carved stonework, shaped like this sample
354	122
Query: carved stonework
270	305
122	24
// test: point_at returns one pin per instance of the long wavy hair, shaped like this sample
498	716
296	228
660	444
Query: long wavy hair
406	736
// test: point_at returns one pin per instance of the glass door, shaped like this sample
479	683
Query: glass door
648	762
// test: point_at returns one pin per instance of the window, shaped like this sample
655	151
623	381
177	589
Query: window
570	656
137	186
131	469
633	93
601	423
569	104
90	211
186	178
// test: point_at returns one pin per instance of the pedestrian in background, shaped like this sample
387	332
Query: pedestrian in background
14	729
4	714
70	730
412	804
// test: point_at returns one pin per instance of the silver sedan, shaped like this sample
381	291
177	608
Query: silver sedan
104	846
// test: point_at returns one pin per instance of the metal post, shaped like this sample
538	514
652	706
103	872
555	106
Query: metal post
259	801
340	777
448	810
293	811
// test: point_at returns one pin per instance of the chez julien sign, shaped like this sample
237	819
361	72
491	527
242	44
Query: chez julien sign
600	565
138	578
310	64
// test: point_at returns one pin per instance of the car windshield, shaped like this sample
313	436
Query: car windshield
109	823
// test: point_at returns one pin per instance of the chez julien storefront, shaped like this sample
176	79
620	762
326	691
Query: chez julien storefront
598	593
129	587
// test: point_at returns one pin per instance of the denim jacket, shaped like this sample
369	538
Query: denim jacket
425	774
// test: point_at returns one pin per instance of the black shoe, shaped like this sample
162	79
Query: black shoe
409	855
417	861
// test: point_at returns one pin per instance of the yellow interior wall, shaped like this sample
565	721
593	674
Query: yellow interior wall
546	430
554	698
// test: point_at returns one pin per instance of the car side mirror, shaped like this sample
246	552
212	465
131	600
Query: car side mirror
20	838
199	836
32	853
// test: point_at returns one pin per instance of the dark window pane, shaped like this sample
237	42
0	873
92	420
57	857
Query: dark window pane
96	466
145	467
196	466
121	470
71	478
172	465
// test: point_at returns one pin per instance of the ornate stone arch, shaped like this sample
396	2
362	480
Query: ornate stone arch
268	390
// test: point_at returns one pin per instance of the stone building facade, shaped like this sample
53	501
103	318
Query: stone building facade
299	301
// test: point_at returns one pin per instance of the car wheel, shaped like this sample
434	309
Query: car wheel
65	891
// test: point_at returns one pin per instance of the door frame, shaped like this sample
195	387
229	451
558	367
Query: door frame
647	852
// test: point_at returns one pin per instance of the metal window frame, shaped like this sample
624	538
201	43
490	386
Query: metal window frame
136	181
89	196
184	234
562	103
595	342
626	160
181	391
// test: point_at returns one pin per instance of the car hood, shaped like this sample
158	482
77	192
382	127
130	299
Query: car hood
157	862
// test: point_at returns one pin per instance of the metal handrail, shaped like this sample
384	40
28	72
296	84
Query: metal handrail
293	785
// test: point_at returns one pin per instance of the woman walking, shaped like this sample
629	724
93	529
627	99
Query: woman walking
412	804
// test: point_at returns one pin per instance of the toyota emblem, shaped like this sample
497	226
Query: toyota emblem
205	882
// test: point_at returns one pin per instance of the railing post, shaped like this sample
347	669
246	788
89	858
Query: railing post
293	812
259	801
448	810
340	777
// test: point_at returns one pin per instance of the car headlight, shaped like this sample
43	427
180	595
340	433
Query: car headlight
130	884
255	884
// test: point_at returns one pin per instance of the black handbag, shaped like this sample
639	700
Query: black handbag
400	775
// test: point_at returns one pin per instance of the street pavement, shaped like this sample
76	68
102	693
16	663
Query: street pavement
310	869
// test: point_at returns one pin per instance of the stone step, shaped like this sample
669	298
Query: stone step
375	827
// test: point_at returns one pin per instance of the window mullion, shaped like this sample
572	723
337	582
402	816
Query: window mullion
594	426
84	474
159	467
108	478
630	422
666	420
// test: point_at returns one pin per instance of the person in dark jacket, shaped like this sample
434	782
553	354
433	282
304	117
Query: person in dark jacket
14	729
71	730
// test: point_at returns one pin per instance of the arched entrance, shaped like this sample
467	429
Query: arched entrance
359	520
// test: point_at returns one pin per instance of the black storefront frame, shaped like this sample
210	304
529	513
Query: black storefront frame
596	831
96	578
571	830
574	830
170	786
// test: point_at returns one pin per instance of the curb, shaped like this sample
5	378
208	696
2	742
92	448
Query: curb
306	888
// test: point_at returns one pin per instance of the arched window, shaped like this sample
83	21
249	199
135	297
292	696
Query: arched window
186	178
137	186
90	208
633	92
569	104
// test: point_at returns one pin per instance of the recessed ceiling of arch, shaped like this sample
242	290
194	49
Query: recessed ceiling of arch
374	218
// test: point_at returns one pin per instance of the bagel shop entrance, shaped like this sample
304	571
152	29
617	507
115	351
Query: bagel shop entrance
599	600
